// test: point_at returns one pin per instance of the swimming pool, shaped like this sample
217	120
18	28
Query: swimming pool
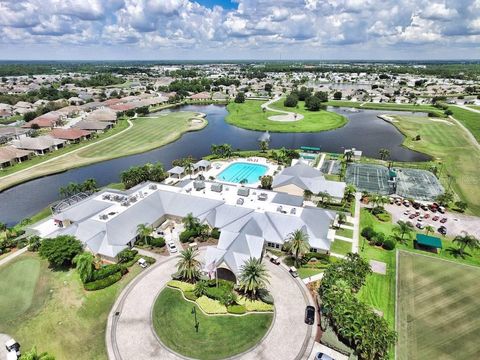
247	173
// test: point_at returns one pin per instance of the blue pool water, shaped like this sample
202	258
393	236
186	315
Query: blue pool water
239	171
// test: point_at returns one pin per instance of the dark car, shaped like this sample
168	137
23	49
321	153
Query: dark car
322	356
309	315
442	230
435	218
443	221
412	216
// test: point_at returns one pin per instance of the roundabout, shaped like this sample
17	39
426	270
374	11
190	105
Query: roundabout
131	325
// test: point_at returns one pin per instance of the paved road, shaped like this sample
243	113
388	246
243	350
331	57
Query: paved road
288	115
130	334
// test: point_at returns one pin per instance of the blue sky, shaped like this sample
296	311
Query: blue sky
239	29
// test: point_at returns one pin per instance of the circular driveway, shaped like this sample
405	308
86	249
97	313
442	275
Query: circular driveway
130	333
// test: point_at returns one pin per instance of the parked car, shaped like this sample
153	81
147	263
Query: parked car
435	218
309	315
424	207
13	348
172	247
442	230
412	216
293	271
416	205
426	216
274	259
441	209
142	262
406	203
406	212
160	232
322	356
443	220
420	225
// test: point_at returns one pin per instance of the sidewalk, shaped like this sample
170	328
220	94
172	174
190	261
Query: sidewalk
356	223
13	255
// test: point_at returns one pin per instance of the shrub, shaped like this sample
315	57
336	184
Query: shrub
389	244
313	255
187	236
61	250
34	243
236	309
21	243
107	270
157	242
201	288
211	306
217	293
190	295
184	286
254	305
368	232
385	217
265	296
379	238
103	283
126	255
215	233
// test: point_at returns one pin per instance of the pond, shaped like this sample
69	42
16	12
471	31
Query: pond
364	131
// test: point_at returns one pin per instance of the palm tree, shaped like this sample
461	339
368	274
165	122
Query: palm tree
429	229
84	264
384	154
3	227
349	193
403	229
325	197
307	194
253	276
200	288
348	155
188	266
297	244
190	222
34	355
144	231
342	218
465	240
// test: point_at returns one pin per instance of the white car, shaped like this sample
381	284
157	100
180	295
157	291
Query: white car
322	356
172	247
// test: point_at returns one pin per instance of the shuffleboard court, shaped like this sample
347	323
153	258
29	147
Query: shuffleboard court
438	306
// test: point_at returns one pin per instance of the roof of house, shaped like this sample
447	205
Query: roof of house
69	134
37	143
429	241
201	96
103	114
308	178
46	120
92	125
9	153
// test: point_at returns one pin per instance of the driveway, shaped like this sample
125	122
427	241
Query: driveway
3	351
130	334
456	223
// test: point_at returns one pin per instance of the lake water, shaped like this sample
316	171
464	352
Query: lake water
364	131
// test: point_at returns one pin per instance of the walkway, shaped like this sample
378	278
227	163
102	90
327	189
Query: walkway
13	255
356	223
289	116
130	333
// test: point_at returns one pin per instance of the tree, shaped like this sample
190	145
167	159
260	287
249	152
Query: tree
34	355
429	229
466	241
263	145
3	226
84	264
240	98
304	93
61	250
268	87
322	95
307	194
349	193
144	231
325	197
337	95
297	245
445	199
342	218
384	154
403	229
291	101
313	103
253	277
266	182
348	155
191	222
188	266
461	206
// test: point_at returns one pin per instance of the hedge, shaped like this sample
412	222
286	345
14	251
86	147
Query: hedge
106	271
265	296
254	305
103	283
187	236
190	295
211	306
184	286
157	242
236	309
217	293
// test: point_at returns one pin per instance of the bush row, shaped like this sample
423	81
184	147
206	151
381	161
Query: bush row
103	283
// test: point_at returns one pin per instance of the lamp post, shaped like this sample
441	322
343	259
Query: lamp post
196	323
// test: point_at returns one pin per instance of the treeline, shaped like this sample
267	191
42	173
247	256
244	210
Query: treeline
88	186
96	80
138	174
44	93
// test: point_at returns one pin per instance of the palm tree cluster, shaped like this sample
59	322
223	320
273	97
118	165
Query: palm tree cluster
223	151
466	241
402	231
138	174
297	245
144	231
88	186
354	321
194	227
253	277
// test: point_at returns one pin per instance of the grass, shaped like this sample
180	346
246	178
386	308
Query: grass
305	272
62	318
250	115
145	134
341	247
455	155
344	232
476	107
470	119
438	306
218	337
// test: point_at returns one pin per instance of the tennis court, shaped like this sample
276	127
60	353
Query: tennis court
417	184
371	178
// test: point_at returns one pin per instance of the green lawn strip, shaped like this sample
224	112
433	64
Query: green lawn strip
305	272
437	309
218	337
455	155
63	319
387	106
341	247
470	119
474	107
344	232
249	115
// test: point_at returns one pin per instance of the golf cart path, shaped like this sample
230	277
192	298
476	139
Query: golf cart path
288	115
130	333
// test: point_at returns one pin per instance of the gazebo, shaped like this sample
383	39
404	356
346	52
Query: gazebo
177	171
202	165
428	243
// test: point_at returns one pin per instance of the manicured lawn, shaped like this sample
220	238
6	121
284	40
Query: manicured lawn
470	119
454	153
62	318
250	115
476	107
218	336
344	232
341	247
438	306
305	272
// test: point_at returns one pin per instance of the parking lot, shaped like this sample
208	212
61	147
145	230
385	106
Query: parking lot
455	224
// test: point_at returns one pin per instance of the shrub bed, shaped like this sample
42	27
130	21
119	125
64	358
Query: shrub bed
157	242
254	305
182	285
190	295
236	309
107	270
103	283
210	306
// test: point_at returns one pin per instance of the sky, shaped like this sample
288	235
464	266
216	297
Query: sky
239	29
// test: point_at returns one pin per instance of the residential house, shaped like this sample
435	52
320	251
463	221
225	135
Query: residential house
94	126
73	135
41	144
10	155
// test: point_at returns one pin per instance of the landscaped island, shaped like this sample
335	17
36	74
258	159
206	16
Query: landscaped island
250	115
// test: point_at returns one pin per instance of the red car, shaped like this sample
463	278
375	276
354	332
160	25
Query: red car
426	216
435	218
443	221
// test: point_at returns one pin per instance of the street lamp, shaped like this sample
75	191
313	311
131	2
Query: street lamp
196	323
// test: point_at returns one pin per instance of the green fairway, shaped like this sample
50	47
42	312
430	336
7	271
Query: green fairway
341	247
250	115
438	304
470	119
62	318
218	337
453	151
